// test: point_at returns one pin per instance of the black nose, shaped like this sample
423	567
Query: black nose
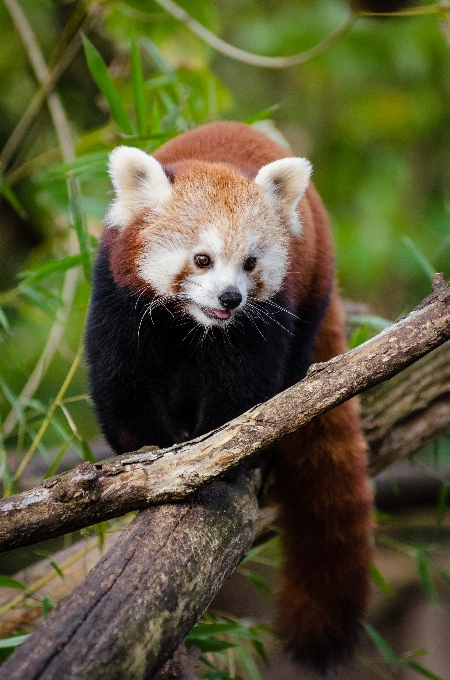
230	299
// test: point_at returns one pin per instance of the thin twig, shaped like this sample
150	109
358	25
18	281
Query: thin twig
248	57
408	12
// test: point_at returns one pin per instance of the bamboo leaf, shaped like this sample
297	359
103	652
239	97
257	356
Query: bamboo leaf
80	165
54	466
13	641
57	569
442	503
105	84
262	115
380	643
56	267
423	671
4	323
378	578
419	257
259	648
8	582
159	61
425	578
79	224
209	645
209	629
12	400
140	104
47	606
87	451
12	199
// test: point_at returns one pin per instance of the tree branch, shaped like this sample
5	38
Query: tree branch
138	603
108	489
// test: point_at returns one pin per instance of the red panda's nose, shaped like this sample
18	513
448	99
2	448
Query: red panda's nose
230	299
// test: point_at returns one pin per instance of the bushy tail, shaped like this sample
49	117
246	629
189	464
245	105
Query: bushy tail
326	519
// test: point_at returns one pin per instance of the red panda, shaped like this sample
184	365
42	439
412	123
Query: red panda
214	290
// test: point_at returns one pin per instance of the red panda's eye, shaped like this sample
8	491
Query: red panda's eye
250	264
202	261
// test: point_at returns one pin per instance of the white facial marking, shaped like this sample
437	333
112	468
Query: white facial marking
160	264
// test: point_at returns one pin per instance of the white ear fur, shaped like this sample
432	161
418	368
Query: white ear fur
283	183
139	182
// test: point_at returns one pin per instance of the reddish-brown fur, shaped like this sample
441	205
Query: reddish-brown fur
322	490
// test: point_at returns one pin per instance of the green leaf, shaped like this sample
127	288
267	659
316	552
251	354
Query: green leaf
442	504
425	578
4	323
47	606
13	641
359	336
79	223
104	82
60	455
100	530
262	115
57	569
380	643
87	452
38	298
259	648
8	582
209	629
420	258
248	662
140	104
56	267
423	671
253	553
42	553
161	81
209	645
12	199
445	575
376	322
159	61
260	584
14	402
81	165
378	578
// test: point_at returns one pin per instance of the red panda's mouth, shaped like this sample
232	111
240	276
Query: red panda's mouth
216	313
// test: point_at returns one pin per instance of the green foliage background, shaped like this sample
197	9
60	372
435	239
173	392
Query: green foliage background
372	113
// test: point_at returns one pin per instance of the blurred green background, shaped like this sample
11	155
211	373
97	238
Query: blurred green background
372	113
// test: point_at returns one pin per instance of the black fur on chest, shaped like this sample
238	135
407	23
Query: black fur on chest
158	377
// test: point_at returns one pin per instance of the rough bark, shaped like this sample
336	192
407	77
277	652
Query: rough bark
136	606
93	493
408	411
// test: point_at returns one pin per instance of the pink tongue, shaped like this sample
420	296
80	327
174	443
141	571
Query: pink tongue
221	314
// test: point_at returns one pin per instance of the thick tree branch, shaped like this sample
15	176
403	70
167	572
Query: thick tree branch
96	492
138	603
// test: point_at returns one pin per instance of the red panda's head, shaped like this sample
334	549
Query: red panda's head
203	234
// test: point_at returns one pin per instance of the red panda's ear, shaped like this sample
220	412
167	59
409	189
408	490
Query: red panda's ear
283	183
139	182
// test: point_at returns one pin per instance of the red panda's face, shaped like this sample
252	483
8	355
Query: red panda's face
211	241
